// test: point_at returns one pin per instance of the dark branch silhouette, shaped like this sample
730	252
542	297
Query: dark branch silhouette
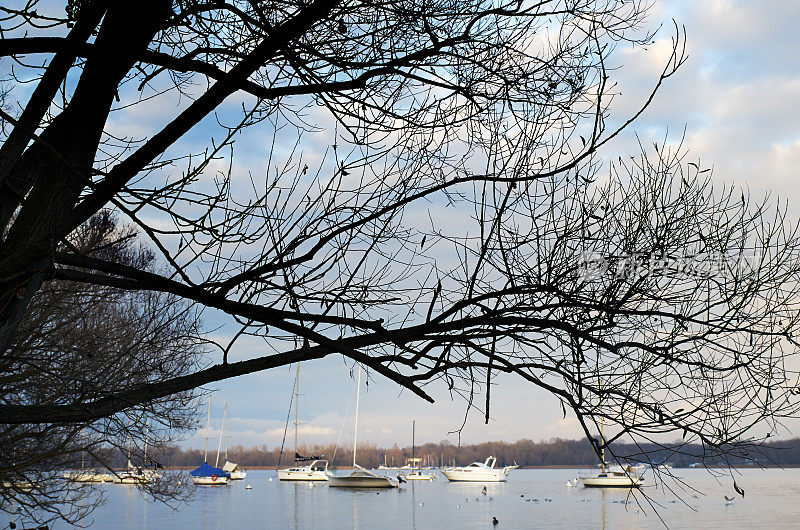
432	205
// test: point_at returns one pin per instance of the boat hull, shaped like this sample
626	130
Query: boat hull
611	482
210	481
238	475
291	474
89	476
361	482
418	476
475	476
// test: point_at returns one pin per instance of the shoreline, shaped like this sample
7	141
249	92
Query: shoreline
558	466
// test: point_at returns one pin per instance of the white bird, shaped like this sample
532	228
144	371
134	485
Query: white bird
570	484
729	500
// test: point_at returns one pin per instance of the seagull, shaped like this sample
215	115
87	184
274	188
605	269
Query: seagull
729	500
494	521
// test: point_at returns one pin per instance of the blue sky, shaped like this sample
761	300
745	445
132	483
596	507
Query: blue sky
736	97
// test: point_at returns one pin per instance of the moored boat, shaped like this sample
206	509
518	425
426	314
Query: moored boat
360	477
208	475
415	474
479	472
313	468
316	470
614	476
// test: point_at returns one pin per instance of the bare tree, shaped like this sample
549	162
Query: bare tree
440	233
77	343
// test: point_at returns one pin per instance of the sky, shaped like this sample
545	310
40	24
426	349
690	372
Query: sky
734	103
734	106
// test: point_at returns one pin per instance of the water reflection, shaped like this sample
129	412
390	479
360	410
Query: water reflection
603	507
413	503
296	504
355	510
531	499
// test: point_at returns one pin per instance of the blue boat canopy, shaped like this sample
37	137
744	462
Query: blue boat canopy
207	470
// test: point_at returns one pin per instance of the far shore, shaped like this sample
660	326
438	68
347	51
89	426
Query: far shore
578	466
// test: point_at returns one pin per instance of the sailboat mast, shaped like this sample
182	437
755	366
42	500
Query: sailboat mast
208	428
355	433
413	455
296	405
602	428
226	431
602	441
221	433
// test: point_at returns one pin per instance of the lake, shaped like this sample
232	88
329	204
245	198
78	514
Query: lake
771	501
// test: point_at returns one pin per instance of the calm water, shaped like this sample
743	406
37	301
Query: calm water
772	501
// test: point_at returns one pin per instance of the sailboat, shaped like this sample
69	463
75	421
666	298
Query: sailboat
229	467
208	475
305	467
360	477
612	475
415	475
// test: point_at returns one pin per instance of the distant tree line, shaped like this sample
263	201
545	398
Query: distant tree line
553	452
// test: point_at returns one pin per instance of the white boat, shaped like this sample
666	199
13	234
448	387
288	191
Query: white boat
479	472
360	477
614	476
415	475
316	470
418	475
234	471
231	468
79	476
304	468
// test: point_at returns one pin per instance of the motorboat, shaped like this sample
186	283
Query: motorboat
479	472
316	470
361	478
614	476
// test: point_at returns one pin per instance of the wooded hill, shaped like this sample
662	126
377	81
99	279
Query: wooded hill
554	452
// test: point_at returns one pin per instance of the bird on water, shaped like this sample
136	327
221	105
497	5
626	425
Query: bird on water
494	521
